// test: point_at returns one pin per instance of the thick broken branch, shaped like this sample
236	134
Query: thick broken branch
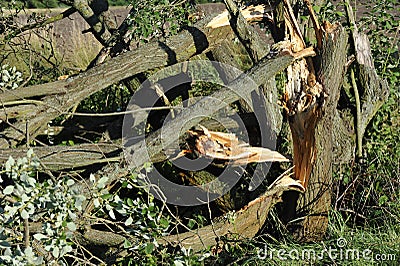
68	157
71	91
99	29
247	35
304	97
245	223
260	74
315	203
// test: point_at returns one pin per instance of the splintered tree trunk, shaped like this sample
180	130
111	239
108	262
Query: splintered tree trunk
314	204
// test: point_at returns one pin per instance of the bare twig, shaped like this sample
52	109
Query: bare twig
317	27
26	233
40	24
358	114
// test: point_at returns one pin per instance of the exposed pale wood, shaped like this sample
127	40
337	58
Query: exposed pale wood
250	13
243	224
304	97
314	204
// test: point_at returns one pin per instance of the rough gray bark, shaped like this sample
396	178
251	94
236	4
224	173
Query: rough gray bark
65	94
260	74
244	223
97	19
247	35
315	203
68	157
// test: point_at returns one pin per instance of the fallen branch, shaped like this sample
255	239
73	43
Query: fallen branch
68	157
243	224
260	74
247	35
67	93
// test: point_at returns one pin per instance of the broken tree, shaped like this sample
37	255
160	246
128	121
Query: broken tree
320	134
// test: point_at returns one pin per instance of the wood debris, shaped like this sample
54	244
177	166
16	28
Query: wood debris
250	13
227	147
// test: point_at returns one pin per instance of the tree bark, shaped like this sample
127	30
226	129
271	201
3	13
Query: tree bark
67	93
315	203
58	158
242	224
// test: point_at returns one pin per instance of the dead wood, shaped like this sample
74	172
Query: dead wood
311	97
97	19
304	97
260	74
247	35
242	224
68	157
315	203
65	94
256	48
372	91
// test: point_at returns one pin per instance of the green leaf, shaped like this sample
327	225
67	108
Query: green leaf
129	201
4	244
128	221
39	236
8	190
29	153
164	222
191	223
102	182
383	199
9	164
71	226
127	244
24	214
111	213
149	248
96	202
317	9
56	252
106	196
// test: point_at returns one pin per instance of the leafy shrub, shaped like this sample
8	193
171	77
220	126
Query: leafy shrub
157	18
51	202
57	209
10	78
